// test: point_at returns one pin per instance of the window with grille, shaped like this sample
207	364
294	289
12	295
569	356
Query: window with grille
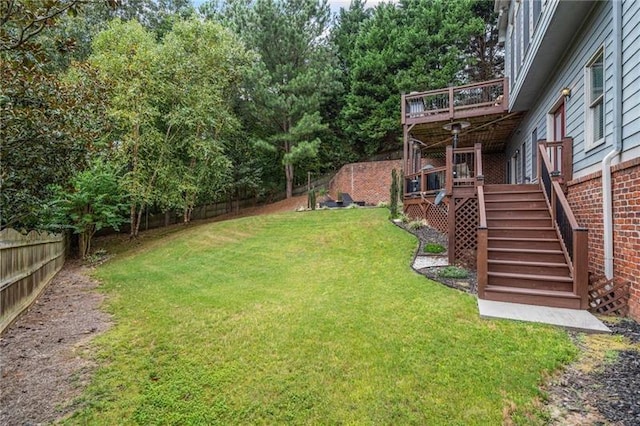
594	85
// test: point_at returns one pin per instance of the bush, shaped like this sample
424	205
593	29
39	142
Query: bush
452	272
433	248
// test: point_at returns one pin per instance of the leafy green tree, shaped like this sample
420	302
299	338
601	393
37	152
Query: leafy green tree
22	21
94	201
50	124
203	65
127	56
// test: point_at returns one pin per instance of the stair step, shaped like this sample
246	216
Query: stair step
524	243
515	204
518	214
519	222
537	269
499	208
558	299
530	281
522	232
525	254
513	197
512	187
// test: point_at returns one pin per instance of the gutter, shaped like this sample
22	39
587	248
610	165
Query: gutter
607	195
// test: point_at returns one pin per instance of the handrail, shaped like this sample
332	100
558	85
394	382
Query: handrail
573	237
482	262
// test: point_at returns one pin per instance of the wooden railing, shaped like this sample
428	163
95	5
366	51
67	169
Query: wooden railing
458	102
464	165
482	263
425	181
574	238
560	154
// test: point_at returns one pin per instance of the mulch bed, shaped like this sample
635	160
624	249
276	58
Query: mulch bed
428	235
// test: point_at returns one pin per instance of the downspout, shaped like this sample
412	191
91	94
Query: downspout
607	196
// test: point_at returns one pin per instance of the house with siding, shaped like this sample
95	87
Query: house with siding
574	68
551	150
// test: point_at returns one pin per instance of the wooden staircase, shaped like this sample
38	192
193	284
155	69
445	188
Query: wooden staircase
526	262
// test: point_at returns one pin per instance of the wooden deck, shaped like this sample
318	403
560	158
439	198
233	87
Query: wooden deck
523	239
484	105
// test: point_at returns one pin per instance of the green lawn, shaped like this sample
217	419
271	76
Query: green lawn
304	318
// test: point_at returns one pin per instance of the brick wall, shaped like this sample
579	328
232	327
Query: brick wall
493	167
369	182
585	197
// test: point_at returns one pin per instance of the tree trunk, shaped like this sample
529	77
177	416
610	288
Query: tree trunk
132	219
139	219
82	245
288	171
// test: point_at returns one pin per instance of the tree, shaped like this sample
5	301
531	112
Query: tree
296	73
22	21
203	65
127	56
416	46
94	201
50	123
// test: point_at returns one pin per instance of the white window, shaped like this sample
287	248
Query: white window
594	88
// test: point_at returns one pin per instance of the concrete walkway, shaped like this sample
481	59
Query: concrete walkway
569	318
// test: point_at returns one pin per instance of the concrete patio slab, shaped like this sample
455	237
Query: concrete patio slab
569	318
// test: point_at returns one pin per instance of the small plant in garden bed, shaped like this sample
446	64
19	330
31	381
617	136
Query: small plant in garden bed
417	224
453	272
433	248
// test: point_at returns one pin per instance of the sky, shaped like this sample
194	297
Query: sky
334	4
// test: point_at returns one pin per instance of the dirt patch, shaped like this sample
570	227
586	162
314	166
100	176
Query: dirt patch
603	386
45	360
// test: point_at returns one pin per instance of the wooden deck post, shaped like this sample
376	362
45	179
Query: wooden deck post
452	231
581	266
449	173
482	266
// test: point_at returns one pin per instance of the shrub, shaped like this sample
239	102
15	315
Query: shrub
452	272
416	224
433	248
395	190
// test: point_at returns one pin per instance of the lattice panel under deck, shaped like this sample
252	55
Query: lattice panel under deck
608	297
466	230
414	212
437	217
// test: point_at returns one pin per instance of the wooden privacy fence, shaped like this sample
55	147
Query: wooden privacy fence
27	264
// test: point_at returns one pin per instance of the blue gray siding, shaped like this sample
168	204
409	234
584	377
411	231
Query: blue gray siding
596	32
630	74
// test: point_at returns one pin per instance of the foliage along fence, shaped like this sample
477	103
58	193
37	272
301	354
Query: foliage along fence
27	264
208	211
